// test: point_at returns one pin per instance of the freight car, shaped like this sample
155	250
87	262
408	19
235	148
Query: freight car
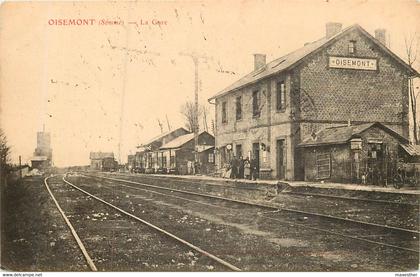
109	164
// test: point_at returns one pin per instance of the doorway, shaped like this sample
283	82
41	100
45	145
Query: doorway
256	155
280	151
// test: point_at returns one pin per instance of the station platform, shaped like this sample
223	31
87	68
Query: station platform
298	184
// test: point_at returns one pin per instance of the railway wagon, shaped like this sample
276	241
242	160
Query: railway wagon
109	164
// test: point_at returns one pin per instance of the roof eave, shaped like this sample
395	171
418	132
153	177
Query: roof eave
322	144
328	42
250	83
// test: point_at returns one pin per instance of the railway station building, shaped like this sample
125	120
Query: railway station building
348	77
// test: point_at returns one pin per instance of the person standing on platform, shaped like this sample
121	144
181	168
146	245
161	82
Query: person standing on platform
254	169
234	164
241	168
247	169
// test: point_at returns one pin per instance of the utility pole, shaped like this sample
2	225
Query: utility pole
160	125
167	121
20	166
196	58
206	128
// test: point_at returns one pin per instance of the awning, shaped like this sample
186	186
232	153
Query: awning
411	149
202	148
39	158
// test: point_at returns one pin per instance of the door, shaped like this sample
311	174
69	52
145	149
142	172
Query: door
280	159
375	167
256	155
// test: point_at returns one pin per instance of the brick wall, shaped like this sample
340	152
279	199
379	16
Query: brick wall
329	95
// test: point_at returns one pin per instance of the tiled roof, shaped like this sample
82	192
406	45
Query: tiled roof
160	137
273	67
335	135
294	57
205	148
181	140
342	134
411	149
178	142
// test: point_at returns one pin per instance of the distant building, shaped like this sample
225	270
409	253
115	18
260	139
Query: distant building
131	159
40	162
43	153
97	158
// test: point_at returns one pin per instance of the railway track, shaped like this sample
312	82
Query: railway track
170	235
285	198
377	229
75	235
351	198
262	205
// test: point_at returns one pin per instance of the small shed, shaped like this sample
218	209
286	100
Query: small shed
365	153
40	162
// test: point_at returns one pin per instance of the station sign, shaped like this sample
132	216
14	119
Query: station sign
353	63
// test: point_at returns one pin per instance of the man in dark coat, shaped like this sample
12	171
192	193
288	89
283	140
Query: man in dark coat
241	168
234	164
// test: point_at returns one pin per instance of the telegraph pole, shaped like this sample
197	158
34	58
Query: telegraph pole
167	121
195	57
20	166
160	126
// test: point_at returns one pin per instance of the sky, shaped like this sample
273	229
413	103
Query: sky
104	87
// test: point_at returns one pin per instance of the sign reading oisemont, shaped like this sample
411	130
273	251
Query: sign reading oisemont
352	63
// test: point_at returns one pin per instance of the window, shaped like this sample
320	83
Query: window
238	107
352	47
373	150
281	96
238	150
255	103
211	158
323	165
224	112
172	161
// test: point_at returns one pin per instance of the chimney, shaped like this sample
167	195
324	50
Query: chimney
259	61
332	28
380	35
